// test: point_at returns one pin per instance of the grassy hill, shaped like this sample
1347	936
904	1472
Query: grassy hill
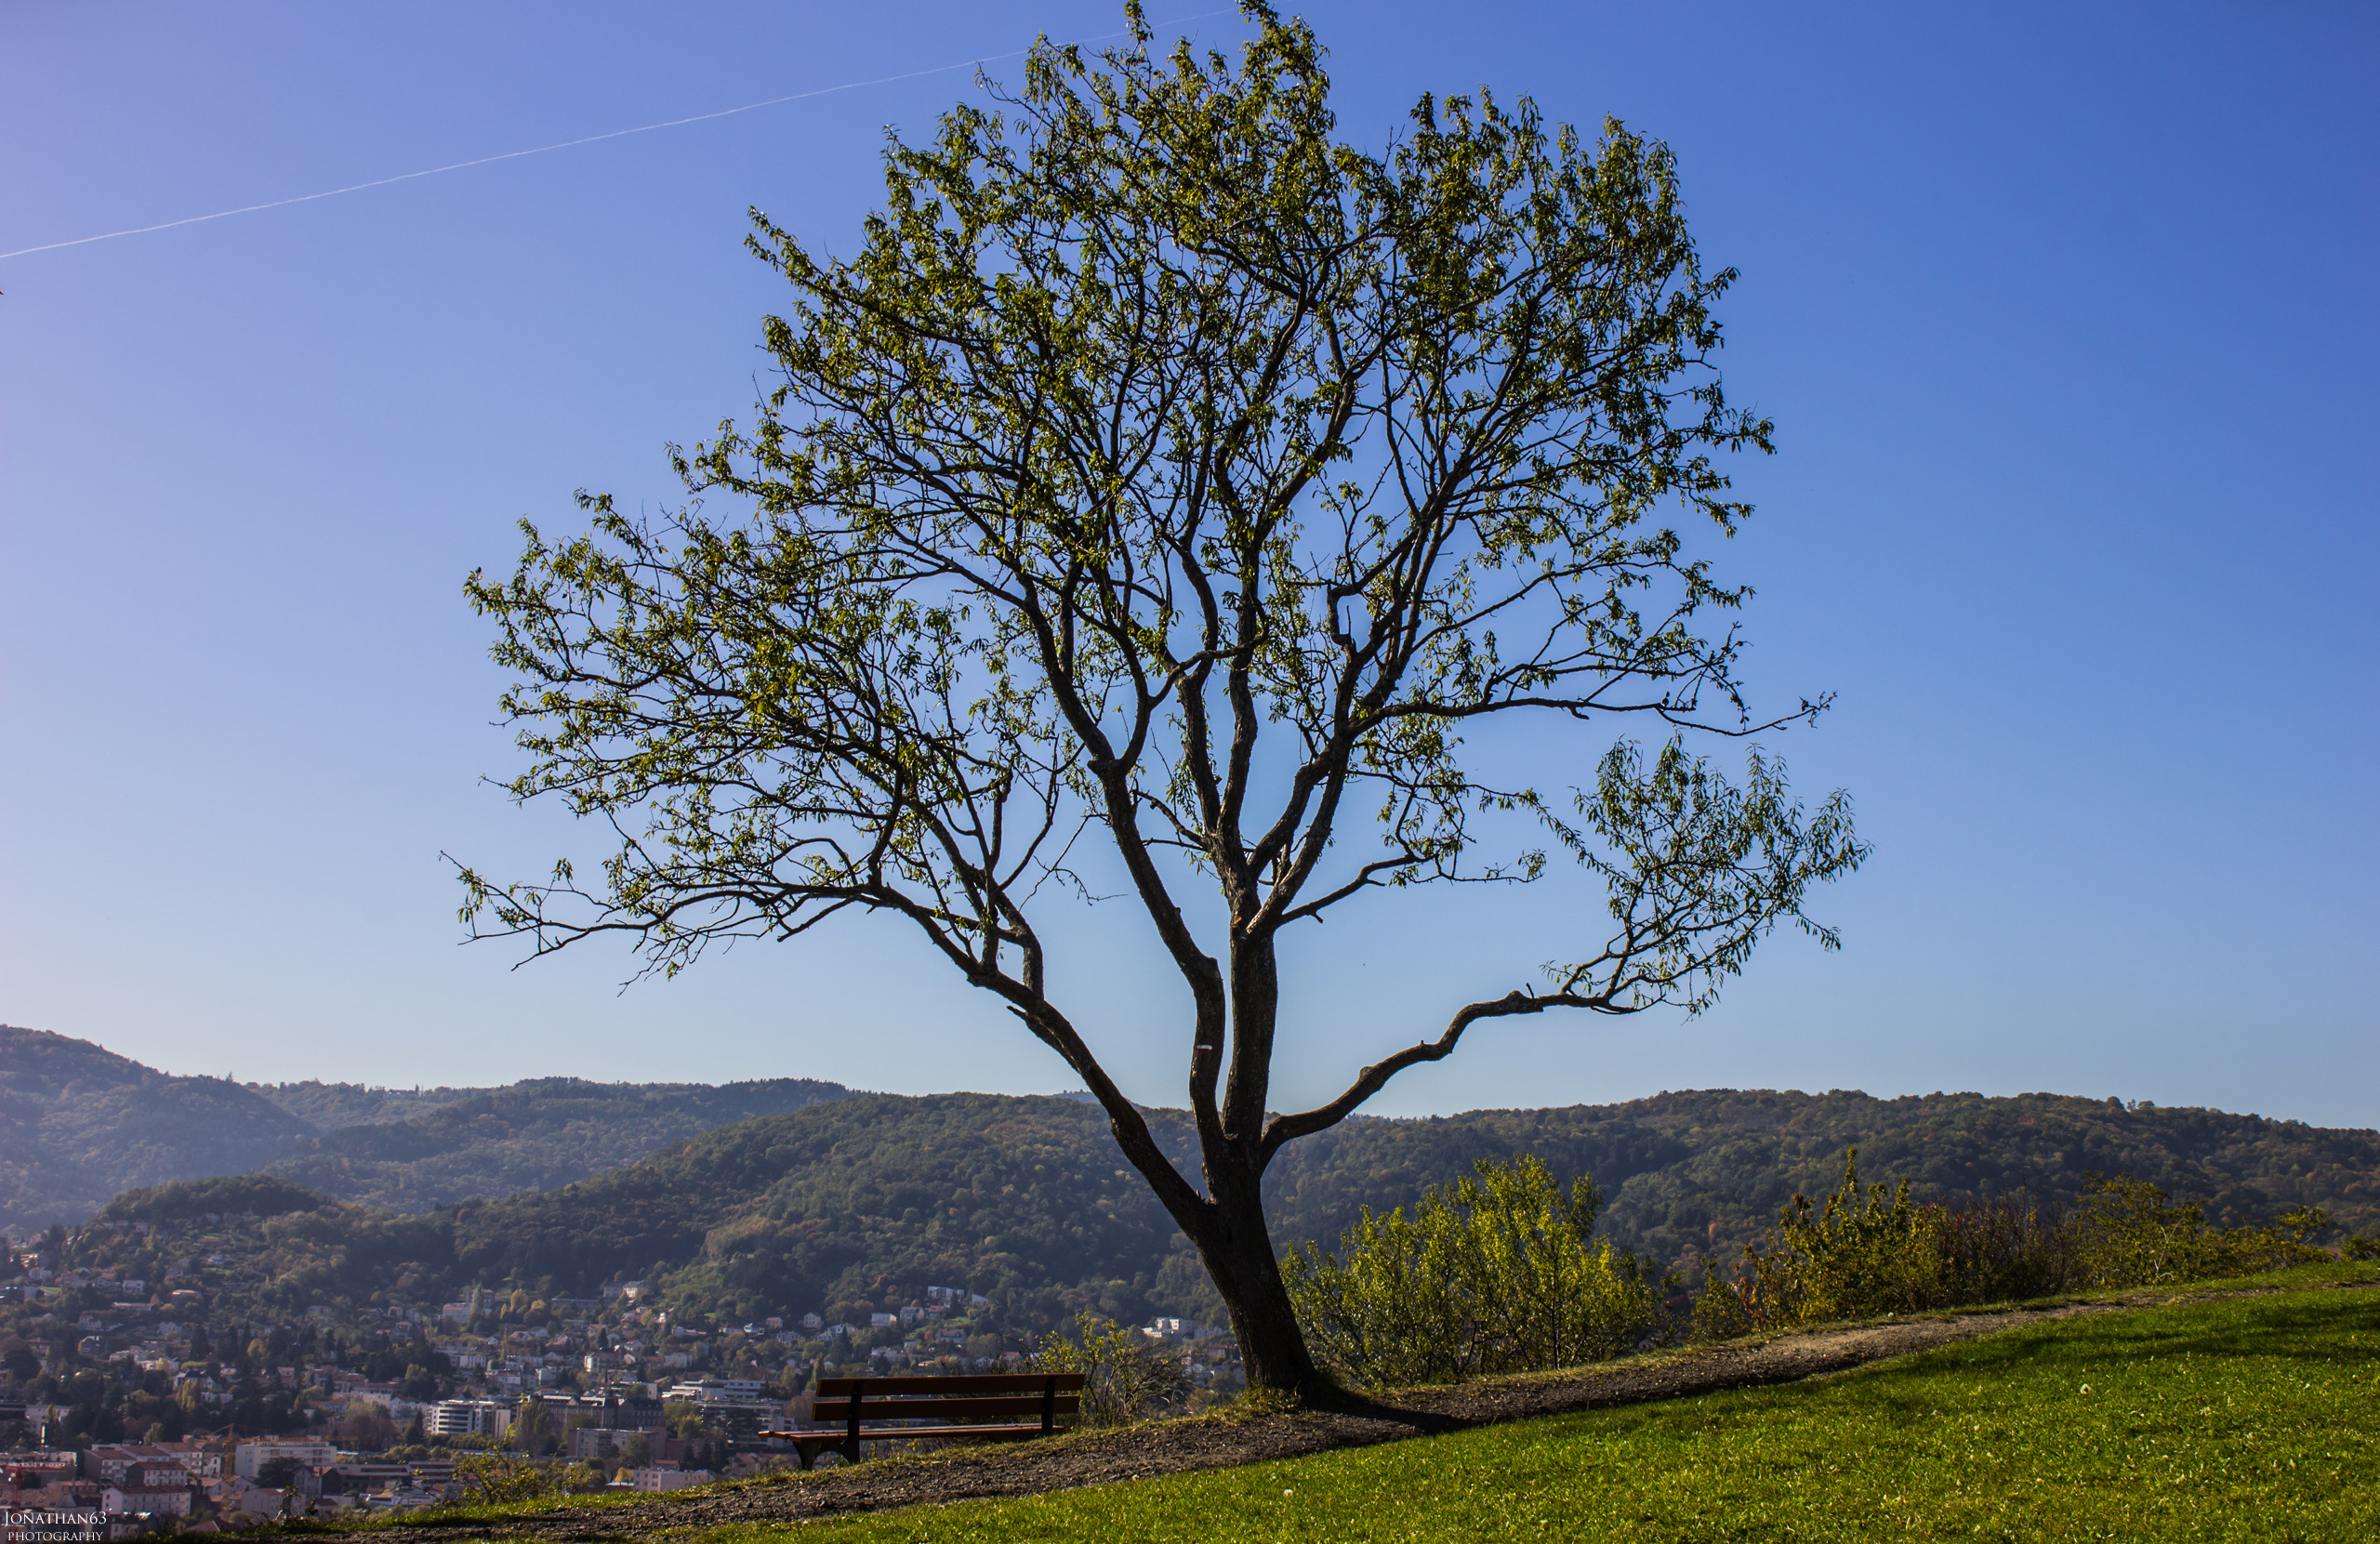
2245	1419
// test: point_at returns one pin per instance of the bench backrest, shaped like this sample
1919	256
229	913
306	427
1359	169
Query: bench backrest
978	1396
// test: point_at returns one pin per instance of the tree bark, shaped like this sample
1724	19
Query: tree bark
1238	1250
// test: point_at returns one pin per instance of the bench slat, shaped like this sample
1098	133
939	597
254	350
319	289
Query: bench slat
970	1383
899	1434
987	1406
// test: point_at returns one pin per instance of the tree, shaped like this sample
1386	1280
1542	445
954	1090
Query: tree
1163	471
533	1428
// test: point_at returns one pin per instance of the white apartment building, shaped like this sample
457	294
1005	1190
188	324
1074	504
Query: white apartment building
455	1418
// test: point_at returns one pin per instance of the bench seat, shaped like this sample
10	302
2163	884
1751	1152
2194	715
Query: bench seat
852	1410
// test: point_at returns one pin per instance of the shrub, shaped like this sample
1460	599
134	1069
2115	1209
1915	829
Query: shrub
2132	1234
491	1479
1861	1254
1494	1273
2005	1248
1126	1377
1865	1254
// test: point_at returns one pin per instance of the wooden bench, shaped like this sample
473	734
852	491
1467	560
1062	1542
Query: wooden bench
981	1406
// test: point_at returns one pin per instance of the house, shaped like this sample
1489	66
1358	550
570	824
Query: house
658	1479
236	1497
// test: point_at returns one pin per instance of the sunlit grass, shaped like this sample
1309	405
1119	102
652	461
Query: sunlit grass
2248	1418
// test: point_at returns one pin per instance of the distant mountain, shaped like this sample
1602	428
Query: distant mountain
535	1135
78	1123
1702	1172
859	1203
328	1106
757	1199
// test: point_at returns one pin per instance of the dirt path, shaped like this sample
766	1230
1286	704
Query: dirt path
1217	1442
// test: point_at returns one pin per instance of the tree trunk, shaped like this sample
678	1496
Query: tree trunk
1237	1251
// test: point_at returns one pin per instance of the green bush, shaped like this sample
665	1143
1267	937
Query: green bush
2132	1234
1863	1253
1866	1253
1127	1378
1494	1273
491	1479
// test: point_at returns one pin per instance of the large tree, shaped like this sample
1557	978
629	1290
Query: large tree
1164	471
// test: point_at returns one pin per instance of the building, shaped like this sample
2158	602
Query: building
455	1418
108	1461
202	1460
588	1442
669	1479
126	1499
309	1452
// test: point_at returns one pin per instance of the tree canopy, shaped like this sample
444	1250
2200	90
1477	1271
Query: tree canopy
1165	470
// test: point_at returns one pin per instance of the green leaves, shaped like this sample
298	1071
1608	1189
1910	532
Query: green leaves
1700	871
1490	1274
1129	1378
1163	469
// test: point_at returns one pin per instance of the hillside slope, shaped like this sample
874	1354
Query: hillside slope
845	1202
1704	1171
859	1203
78	1123
862	1203
868	1200
532	1135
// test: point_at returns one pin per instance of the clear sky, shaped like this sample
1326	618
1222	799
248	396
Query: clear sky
2065	313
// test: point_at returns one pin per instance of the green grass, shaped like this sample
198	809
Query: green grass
2248	1418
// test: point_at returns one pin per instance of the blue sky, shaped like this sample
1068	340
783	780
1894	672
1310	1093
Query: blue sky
2065	314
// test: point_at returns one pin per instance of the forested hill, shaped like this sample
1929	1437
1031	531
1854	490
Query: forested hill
859	1203
533	1135
1704	1170
78	1123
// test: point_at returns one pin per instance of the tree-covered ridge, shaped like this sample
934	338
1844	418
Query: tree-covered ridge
868	1200
533	1135
79	1124
1704	1171
860	1204
261	1249
328	1106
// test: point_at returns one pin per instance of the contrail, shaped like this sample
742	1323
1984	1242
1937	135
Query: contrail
566	144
